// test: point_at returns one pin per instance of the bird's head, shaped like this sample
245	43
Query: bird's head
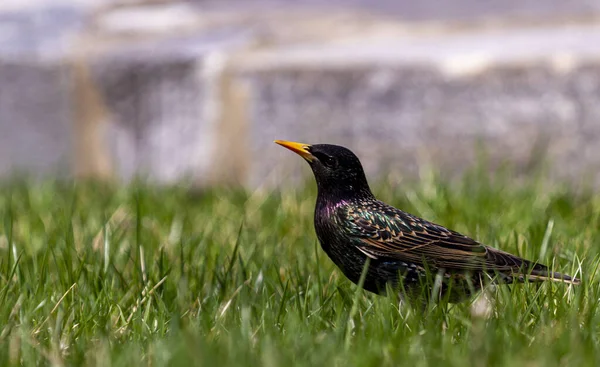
337	170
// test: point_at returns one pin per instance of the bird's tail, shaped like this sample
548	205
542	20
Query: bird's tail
540	273
527	271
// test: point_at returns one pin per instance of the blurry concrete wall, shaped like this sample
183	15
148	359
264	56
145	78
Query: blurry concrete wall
198	90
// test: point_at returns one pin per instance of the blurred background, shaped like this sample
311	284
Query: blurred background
198	90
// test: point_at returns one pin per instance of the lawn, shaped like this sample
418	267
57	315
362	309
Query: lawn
94	274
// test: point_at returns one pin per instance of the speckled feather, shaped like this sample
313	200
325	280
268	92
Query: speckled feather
381	230
406	249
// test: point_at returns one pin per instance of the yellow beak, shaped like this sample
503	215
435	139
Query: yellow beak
298	148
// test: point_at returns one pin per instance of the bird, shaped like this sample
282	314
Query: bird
396	249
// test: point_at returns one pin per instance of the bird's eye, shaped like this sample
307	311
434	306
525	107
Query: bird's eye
327	160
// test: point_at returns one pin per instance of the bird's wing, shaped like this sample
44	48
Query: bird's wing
381	231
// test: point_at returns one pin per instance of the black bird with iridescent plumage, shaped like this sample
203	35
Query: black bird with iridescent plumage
405	252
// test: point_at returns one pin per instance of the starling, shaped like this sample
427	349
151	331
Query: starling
401	250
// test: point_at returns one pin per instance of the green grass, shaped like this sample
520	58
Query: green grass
99	275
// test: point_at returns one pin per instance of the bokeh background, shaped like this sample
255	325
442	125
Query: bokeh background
198	90
480	115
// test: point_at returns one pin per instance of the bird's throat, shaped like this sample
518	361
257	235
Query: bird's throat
329	198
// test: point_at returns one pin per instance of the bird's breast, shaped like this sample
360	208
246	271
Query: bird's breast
338	246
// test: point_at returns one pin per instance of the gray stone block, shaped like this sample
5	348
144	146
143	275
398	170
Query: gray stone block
156	108
163	101
427	10
36	130
35	119
204	96
78	99
414	105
